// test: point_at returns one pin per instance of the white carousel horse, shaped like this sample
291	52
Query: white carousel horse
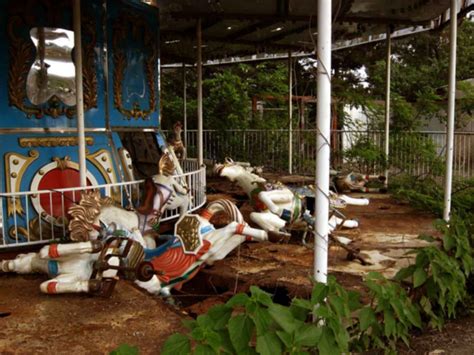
275	204
194	243
176	142
162	192
71	266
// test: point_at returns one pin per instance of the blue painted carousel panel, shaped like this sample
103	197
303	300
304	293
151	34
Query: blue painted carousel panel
47	163
37	67
133	64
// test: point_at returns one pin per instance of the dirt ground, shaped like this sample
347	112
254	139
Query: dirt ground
31	322
35	323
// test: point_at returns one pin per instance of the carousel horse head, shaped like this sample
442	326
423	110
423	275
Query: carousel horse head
177	128
85	224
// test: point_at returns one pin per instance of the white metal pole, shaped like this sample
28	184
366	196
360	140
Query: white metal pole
451	106
323	124
185	111
290	115
199	92
79	93
388	66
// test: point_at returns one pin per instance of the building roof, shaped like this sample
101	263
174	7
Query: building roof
262	28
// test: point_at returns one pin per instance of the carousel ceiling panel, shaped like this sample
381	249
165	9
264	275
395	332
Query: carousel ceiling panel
235	28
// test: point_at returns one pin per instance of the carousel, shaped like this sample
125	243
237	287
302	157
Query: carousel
81	129
80	110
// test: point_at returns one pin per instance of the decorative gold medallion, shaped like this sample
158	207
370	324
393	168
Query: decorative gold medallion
187	230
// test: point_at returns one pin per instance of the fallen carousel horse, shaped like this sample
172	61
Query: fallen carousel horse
91	266
275	204
278	206
356	182
195	243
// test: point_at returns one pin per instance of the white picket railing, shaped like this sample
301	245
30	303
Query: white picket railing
270	149
21	227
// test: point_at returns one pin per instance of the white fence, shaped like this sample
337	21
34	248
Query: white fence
21	223
418	153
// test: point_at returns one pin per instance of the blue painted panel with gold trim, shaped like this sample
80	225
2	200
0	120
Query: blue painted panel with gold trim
133	42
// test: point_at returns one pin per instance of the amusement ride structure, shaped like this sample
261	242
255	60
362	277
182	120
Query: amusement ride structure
80	98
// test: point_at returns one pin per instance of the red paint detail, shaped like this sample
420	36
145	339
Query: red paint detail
248	238
59	179
205	213
53	251
240	229
174	262
51	288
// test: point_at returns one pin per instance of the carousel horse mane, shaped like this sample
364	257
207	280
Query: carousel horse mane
150	191
85	214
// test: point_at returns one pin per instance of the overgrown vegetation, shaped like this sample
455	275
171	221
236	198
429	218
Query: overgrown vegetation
334	320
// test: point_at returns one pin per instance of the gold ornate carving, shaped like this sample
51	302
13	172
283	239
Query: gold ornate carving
15	166
187	230
65	163
85	213
126	24
52	141
23	53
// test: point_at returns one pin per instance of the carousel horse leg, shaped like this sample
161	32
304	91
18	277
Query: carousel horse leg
67	283
336	221
273	198
152	286
25	264
268	221
55	251
226	239
354	201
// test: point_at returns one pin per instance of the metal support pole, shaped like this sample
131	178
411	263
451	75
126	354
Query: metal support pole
185	113
451	106
199	92
323	125
290	115
79	93
388	66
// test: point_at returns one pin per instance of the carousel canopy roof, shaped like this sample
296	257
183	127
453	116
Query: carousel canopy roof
263	28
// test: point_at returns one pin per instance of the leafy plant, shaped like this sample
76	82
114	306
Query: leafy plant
125	349
388	318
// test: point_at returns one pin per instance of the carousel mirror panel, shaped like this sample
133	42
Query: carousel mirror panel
53	71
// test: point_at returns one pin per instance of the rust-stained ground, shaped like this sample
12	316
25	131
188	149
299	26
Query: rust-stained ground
82	324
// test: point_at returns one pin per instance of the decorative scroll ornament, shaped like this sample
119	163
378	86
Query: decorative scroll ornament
127	165
23	51
52	141
126	24
187	230
15	167
103	161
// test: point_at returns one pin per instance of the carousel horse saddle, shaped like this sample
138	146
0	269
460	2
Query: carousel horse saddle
151	190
